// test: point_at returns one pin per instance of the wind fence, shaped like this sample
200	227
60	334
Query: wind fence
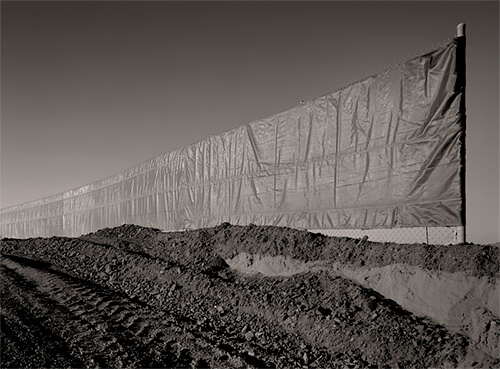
383	154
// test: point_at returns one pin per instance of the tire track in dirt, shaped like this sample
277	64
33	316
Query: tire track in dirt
103	328
25	340
78	314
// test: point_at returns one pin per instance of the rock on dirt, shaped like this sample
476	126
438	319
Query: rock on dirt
138	297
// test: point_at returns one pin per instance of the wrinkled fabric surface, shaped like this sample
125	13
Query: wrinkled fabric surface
383	152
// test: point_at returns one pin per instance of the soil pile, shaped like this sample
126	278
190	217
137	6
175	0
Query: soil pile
189	308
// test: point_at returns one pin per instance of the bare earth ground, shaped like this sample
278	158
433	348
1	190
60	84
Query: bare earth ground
137	297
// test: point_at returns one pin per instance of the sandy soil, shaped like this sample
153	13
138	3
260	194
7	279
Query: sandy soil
137	297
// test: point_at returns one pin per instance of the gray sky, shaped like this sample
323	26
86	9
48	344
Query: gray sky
91	88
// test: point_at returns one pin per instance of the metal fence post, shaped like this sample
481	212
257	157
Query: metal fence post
461	67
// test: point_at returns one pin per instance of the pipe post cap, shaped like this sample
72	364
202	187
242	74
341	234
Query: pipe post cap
461	30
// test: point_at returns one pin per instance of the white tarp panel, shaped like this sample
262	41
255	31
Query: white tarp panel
384	152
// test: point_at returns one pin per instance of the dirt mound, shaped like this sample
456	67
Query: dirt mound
477	260
226	318
228	240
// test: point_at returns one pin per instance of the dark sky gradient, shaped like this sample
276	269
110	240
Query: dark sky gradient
91	88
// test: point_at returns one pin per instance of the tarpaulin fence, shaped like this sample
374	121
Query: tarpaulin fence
385	152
